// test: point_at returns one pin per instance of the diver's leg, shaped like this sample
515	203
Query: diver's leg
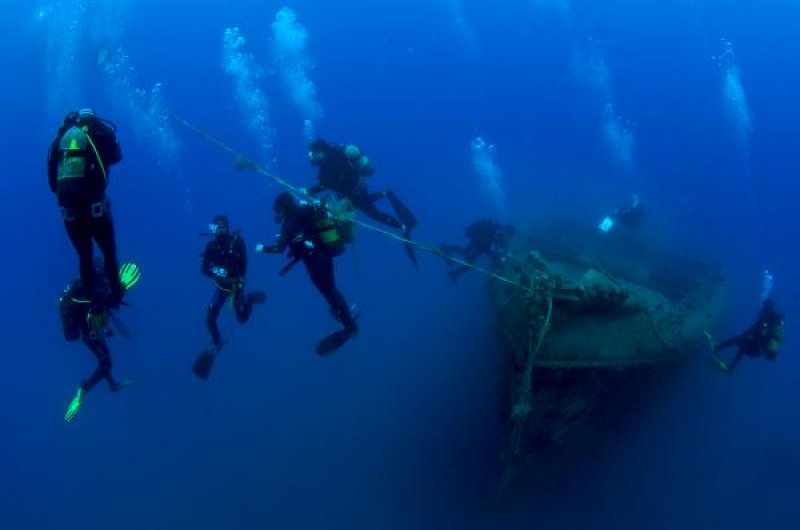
733	341
470	257
402	212
214	307
243	303
458	271
736	360
496	259
99	348
320	269
103	232
365	202
80	235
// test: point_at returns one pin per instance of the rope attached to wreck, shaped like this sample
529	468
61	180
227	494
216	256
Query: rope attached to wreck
523	405
243	162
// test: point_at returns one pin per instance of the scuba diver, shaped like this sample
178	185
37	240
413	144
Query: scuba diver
762	339
225	262
342	170
630	216
78	165
312	234
75	307
485	237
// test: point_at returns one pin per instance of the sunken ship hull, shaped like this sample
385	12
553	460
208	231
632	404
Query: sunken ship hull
603	322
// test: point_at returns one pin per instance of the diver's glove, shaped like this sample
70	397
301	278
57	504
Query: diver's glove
219	272
96	319
74	405
129	275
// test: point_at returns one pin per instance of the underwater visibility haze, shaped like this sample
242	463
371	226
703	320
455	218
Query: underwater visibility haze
531	113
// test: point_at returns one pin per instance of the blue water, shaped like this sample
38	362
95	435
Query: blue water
691	104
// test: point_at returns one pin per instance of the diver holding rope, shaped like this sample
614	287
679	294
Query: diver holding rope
312	234
243	162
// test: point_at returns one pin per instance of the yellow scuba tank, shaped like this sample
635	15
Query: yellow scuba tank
329	232
775	340
74	147
358	160
334	229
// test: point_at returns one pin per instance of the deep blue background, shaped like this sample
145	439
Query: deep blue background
400	429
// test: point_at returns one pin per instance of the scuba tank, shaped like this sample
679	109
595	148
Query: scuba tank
329	232
775	340
330	235
358	160
334	232
74	147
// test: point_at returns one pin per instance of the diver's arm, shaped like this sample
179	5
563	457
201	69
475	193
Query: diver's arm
291	228
108	145
208	263
207	266
281	241
52	164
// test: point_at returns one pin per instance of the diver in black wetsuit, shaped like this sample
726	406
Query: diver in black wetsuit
78	165
485	237
342	169
631	216
314	237
225	261
762	339
77	320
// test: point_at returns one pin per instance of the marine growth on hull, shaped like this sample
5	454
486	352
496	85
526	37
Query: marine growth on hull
603	319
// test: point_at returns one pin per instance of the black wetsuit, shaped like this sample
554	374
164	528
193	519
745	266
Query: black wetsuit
78	165
300	235
485	237
761	339
228	252
339	174
74	306
632	216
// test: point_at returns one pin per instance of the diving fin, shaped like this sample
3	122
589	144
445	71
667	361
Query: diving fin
129	275
719	365
122	384
334	341
74	405
403	213
205	362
